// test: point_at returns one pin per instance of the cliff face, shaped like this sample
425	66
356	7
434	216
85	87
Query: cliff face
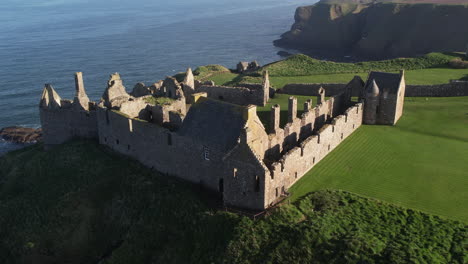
378	29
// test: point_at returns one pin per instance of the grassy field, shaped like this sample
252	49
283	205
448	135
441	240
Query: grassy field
420	163
413	77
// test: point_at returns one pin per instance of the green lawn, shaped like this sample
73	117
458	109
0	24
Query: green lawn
223	78
421	163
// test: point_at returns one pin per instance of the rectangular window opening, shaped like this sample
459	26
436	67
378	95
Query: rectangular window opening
169	139
257	184
107	117
206	153
221	185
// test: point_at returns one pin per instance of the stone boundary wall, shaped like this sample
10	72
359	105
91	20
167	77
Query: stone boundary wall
235	95
299	160
251	86
454	88
311	89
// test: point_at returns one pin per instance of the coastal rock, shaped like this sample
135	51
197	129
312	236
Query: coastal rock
17	134
378	29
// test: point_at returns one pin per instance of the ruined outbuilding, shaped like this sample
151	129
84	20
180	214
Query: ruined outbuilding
212	136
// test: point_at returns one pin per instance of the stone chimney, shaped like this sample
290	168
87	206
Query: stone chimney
321	95
189	80
81	100
307	105
292	109
266	87
275	118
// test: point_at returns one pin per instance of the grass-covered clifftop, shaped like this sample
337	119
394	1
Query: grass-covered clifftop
82	203
379	29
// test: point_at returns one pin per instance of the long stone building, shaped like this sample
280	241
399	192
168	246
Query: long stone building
211	135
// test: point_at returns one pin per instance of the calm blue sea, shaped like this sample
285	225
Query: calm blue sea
46	41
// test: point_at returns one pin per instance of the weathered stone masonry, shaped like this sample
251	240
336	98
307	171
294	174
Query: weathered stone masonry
219	144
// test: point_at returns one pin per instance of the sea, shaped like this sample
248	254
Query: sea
47	41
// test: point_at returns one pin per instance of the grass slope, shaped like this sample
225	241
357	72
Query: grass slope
430	69
82	203
419	163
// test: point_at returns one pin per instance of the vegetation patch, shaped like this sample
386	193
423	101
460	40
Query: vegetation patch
159	100
82	203
203	72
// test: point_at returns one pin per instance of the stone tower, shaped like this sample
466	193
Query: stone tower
371	104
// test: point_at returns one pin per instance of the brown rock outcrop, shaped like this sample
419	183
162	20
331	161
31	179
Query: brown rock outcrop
17	134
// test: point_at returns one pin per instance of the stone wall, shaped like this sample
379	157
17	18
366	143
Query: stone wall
63	124
300	159
235	95
299	128
454	88
169	153
311	89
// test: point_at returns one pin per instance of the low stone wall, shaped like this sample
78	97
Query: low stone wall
235	95
311	89
454	88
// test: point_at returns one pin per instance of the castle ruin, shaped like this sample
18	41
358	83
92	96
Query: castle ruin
211	135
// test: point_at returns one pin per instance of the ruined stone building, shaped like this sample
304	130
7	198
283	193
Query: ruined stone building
188	131
384	98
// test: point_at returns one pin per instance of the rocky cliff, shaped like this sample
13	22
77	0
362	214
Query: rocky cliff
379	29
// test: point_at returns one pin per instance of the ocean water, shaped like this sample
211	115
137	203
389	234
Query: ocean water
46	41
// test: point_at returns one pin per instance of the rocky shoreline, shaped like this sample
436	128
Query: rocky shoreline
21	135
